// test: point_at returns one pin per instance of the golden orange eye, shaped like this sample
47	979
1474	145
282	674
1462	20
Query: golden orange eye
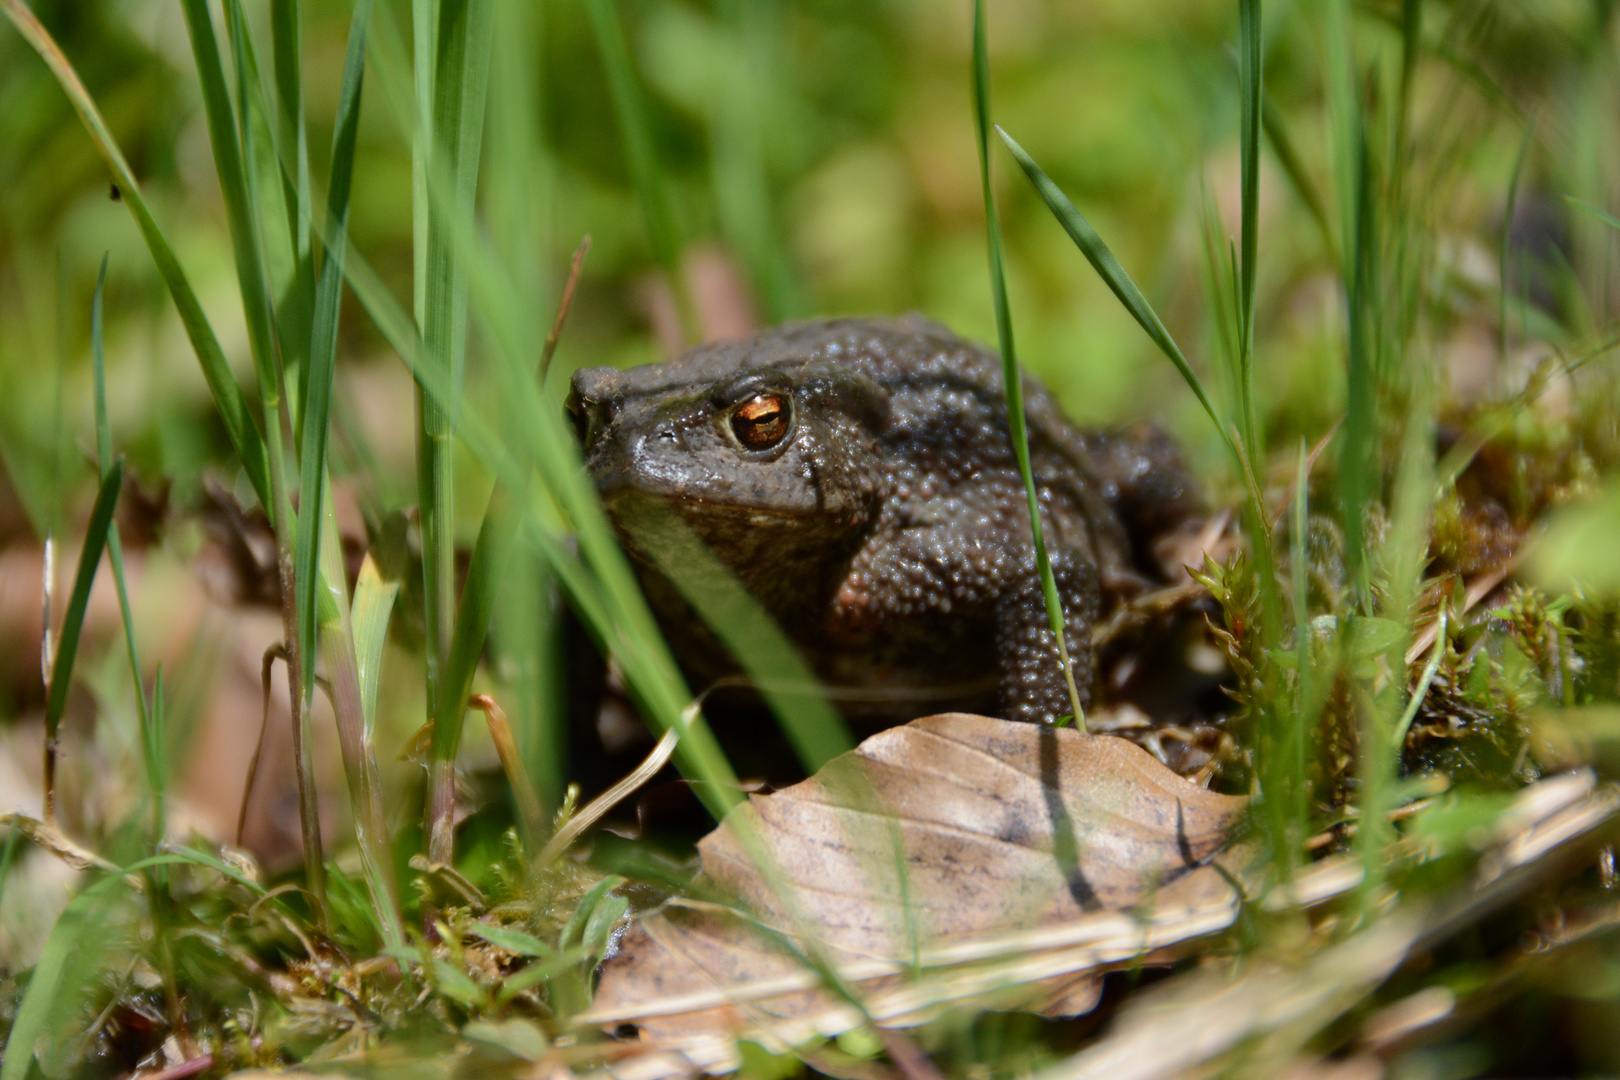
761	422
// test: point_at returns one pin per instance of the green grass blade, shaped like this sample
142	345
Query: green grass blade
239	423
322	353
1587	208
636	131
374	597
814	728
1114	276
1357	467
1012	382
271	198
1293	167
490	558
236	183
521	180
286	49
359	761
461	63
738	119
98	356
233	181
80	925
1251	78
67	645
155	772
604	589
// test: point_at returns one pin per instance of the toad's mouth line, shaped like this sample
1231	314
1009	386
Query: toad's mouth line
626	501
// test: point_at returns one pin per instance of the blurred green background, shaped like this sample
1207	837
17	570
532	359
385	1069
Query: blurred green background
819	160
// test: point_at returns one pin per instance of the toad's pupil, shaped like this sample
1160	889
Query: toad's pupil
761	421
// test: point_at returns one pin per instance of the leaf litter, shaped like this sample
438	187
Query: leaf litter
970	852
815	940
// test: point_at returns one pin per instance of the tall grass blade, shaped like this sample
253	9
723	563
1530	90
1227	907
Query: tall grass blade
1357	467
67	644
322	353
636	131
1293	167
1251	79
239	423
151	750
295	313
490	558
270	200
1115	277
1012	381
521	185
449	144
738	119
600	584
225	138
769	659
235	183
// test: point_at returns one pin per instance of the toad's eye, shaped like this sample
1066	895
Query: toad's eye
762	421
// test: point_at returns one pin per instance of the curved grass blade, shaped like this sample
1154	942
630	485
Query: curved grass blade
67	646
1012	381
239	423
1118	281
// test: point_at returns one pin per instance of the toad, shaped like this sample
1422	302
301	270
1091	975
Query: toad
858	477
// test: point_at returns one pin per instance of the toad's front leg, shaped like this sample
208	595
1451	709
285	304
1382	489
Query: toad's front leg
1032	683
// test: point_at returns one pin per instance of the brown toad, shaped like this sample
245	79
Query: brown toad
857	476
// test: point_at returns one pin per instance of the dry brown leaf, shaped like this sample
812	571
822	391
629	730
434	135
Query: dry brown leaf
1030	856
